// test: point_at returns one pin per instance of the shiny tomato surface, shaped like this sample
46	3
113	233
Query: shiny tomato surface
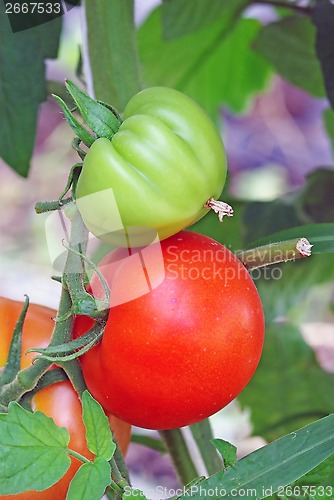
186	347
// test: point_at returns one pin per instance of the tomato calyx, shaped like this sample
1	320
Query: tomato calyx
219	207
102	119
73	349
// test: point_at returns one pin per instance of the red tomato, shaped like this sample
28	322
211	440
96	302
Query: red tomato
186	348
59	401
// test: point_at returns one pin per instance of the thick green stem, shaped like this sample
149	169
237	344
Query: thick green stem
28	378
49	206
116	474
119	461
74	373
180	455
110	51
202	434
273	253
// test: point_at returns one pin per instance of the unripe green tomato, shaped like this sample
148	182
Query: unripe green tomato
163	164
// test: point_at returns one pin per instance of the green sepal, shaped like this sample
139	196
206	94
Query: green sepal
58	352
13	363
72	180
77	128
76	146
100	119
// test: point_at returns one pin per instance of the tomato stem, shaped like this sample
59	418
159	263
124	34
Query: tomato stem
49	206
77	455
274	253
202	433
28	378
180	455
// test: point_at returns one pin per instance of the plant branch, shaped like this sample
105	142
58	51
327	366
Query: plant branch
180	455
110	51
274	253
28	378
48	206
202	434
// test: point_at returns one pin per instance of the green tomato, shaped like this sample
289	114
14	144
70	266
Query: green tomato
154	177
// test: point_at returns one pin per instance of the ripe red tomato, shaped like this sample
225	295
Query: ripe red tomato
186	348
59	401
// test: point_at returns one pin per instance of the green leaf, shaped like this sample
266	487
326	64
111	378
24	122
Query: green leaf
112	50
91	481
323	18
22	86
278	464
318	476
233	73
33	451
289	46
180	17
215	65
291	290
319	235
227	450
262	218
98	117
98	433
311	203
289	388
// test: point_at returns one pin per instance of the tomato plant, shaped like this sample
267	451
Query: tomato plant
185	349
59	401
184	328
163	164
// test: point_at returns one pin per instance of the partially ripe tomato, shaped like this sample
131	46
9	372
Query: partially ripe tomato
186	348
59	401
37	329
163	164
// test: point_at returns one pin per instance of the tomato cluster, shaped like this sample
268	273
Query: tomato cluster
187	345
59	401
185	328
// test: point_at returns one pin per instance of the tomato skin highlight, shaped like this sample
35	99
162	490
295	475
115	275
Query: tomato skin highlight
185	349
163	164
59	401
